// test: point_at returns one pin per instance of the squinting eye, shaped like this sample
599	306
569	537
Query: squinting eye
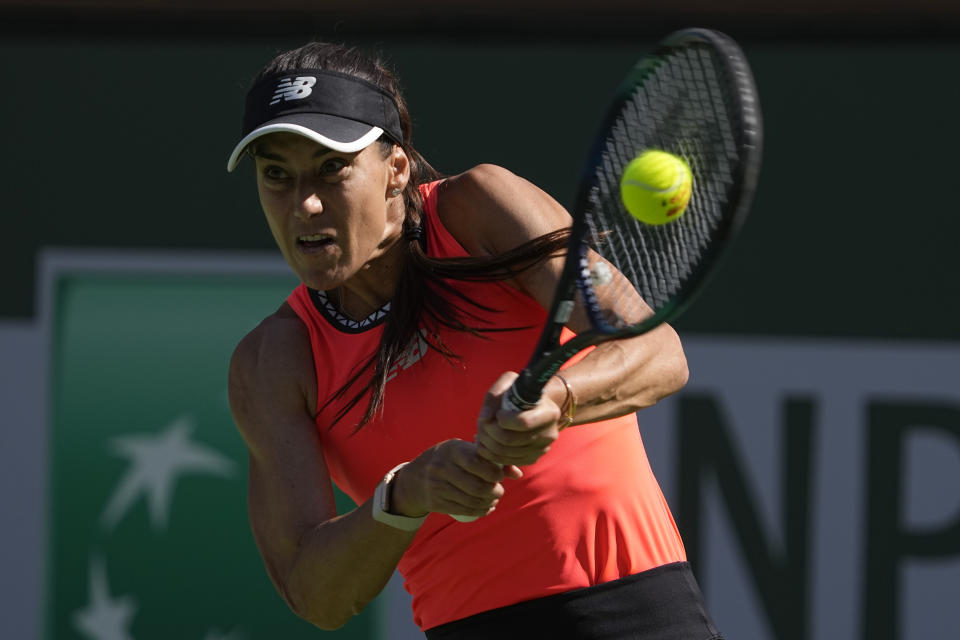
273	172
332	165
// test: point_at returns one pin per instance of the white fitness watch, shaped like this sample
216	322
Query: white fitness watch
381	505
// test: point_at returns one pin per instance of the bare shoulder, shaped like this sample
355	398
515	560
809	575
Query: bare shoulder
280	341
489	210
271	373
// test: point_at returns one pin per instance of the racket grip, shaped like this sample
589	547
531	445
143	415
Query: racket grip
524	393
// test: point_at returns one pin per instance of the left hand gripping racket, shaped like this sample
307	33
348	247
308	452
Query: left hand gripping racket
694	97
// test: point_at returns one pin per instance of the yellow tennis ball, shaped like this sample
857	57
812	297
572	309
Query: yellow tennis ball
656	186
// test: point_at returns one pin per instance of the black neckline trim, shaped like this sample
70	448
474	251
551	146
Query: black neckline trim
328	310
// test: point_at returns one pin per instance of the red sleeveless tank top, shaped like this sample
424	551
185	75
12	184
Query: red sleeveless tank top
589	511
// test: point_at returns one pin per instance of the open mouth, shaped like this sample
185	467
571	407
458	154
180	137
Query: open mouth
314	241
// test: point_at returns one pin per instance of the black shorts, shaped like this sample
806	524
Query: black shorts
664	603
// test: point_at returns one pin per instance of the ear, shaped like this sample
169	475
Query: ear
398	166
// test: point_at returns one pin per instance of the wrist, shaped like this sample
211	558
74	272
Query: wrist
384	505
400	500
568	403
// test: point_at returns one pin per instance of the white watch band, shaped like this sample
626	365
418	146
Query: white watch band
381	505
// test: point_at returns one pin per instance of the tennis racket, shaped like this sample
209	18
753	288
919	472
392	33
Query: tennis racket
694	97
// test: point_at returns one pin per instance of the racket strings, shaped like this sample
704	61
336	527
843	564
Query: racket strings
681	103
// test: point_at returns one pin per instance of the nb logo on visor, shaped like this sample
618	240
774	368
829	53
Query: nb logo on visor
293	89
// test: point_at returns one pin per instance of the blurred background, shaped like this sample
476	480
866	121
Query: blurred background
812	463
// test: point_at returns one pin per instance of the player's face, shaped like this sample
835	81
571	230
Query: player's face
331	213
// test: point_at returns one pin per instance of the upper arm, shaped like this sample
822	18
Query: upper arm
489	210
271	373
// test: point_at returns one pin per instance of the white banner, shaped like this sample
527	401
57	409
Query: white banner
857	445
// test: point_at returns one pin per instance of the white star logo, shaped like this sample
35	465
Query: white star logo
156	461
104	618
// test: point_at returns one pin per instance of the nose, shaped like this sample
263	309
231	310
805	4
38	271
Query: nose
309	204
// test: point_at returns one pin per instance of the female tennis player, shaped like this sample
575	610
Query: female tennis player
383	372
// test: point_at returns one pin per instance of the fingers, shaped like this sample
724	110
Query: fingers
493	398
478	468
516	437
449	478
515	448
512	472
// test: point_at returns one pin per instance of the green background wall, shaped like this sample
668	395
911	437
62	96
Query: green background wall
122	142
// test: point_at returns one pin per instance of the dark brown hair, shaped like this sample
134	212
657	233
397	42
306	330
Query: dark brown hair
423	297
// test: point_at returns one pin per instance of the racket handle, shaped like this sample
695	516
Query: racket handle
524	393
511	402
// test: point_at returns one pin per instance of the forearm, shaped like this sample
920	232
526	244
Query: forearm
341	565
624	376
